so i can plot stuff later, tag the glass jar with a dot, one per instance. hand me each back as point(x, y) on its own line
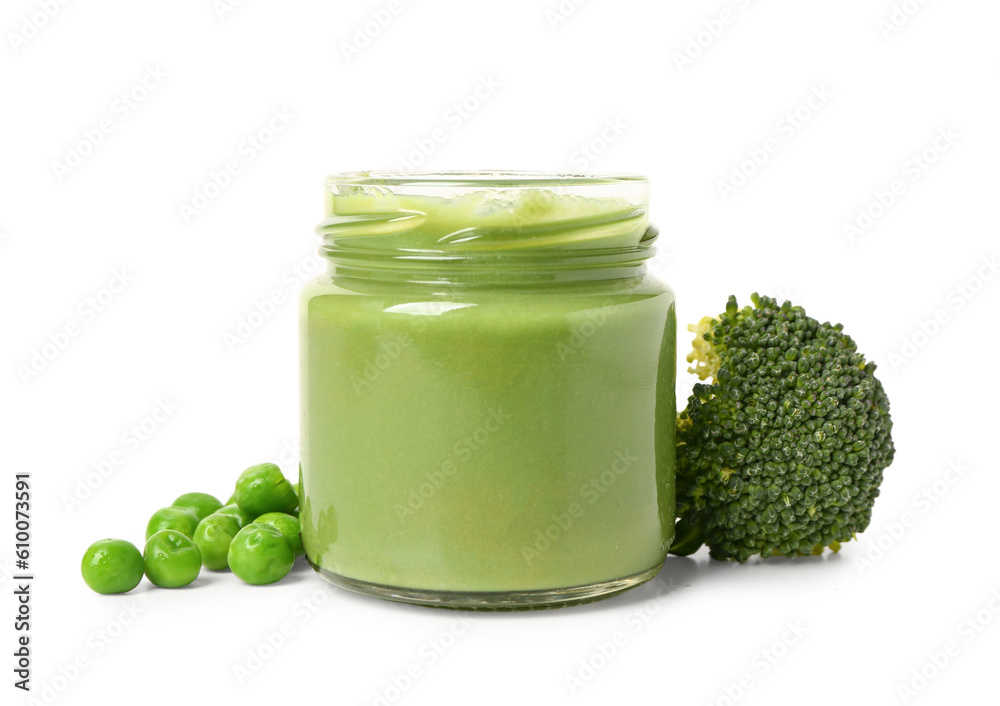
point(487, 395)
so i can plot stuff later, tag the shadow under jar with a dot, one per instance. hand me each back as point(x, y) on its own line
point(487, 390)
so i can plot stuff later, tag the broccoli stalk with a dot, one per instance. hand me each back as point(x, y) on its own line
point(782, 453)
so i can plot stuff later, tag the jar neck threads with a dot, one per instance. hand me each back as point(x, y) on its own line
point(486, 227)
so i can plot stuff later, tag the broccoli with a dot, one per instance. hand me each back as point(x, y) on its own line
point(783, 453)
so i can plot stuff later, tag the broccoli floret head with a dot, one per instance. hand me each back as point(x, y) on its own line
point(782, 451)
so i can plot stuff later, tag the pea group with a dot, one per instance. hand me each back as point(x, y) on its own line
point(256, 534)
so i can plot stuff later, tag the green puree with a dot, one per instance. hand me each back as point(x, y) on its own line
point(486, 429)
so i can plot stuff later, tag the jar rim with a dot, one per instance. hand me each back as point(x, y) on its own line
point(486, 178)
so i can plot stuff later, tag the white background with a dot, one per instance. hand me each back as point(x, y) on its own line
point(600, 87)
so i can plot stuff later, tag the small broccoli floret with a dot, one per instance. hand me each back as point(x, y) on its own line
point(783, 452)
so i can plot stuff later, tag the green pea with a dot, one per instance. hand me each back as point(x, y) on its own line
point(201, 504)
point(172, 518)
point(213, 536)
point(263, 488)
point(287, 525)
point(171, 559)
point(259, 554)
point(241, 515)
point(112, 566)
